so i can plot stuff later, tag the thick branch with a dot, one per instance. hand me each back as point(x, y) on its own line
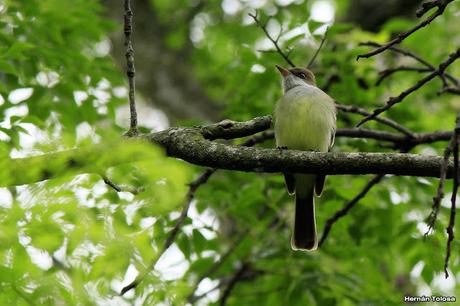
point(190, 144)
point(193, 144)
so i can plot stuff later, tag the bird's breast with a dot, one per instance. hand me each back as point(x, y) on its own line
point(305, 120)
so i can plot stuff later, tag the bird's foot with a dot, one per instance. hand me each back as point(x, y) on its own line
point(281, 149)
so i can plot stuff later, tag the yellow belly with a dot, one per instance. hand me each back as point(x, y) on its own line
point(305, 120)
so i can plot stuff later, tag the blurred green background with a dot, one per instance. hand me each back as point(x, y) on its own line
point(75, 241)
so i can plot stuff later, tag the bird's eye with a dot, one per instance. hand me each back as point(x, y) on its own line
point(302, 75)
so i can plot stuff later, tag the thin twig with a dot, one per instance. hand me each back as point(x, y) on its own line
point(419, 59)
point(130, 70)
point(388, 72)
point(441, 5)
point(452, 90)
point(429, 5)
point(442, 179)
point(346, 208)
point(119, 188)
point(450, 227)
point(323, 39)
point(394, 100)
point(361, 111)
point(404, 52)
point(274, 41)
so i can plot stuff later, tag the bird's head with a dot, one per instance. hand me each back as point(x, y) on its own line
point(296, 76)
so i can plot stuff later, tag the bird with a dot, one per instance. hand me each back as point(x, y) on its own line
point(305, 119)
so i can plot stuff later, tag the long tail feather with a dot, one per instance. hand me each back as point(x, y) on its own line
point(304, 237)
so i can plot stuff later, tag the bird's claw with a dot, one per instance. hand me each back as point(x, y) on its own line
point(282, 148)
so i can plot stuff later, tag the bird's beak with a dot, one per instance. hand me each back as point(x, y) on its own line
point(284, 72)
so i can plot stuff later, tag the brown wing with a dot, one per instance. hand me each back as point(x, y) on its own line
point(290, 183)
point(320, 179)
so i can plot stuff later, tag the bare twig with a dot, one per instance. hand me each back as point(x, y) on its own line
point(441, 5)
point(130, 70)
point(404, 52)
point(429, 5)
point(346, 208)
point(419, 59)
point(394, 100)
point(361, 111)
point(274, 41)
point(452, 90)
point(119, 188)
point(323, 39)
point(388, 72)
point(442, 178)
point(450, 227)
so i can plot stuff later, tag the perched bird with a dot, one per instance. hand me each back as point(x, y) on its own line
point(305, 119)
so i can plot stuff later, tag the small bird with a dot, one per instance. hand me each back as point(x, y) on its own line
point(305, 119)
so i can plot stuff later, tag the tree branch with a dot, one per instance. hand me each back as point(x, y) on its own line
point(313, 58)
point(274, 41)
point(194, 144)
point(190, 144)
point(431, 4)
point(394, 100)
point(453, 200)
point(357, 110)
point(444, 77)
point(440, 4)
point(388, 72)
point(119, 188)
point(130, 70)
